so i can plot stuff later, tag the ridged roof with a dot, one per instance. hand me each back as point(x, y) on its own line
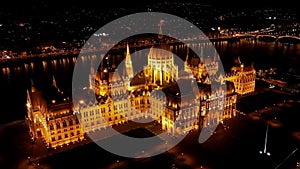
point(160, 51)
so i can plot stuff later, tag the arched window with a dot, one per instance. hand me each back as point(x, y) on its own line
point(58, 125)
point(64, 123)
point(76, 121)
point(51, 127)
point(70, 122)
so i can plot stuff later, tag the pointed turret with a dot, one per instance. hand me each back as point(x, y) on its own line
point(215, 56)
point(239, 60)
point(252, 64)
point(28, 102)
point(54, 83)
point(128, 64)
point(160, 34)
point(207, 80)
point(201, 55)
point(187, 53)
point(33, 89)
point(92, 68)
point(92, 76)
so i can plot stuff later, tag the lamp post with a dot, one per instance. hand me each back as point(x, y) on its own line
point(264, 151)
point(29, 162)
point(118, 163)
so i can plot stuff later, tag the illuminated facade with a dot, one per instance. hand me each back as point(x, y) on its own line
point(119, 102)
point(217, 106)
point(201, 66)
point(161, 69)
point(243, 78)
point(150, 94)
point(50, 116)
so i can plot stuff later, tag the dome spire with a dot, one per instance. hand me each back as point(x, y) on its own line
point(160, 34)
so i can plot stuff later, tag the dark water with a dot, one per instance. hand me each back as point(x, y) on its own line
point(15, 80)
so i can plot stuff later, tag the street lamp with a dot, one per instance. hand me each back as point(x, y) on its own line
point(28, 160)
point(118, 162)
point(265, 145)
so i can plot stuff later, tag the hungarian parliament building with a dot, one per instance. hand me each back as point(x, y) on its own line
point(153, 93)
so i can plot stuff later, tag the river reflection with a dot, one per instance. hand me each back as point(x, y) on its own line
point(16, 80)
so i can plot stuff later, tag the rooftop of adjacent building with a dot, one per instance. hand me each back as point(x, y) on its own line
point(51, 96)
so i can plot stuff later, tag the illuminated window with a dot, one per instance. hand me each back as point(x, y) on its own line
point(92, 112)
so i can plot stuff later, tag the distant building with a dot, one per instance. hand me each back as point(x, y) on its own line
point(243, 78)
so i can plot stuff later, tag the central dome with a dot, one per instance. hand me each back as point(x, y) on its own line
point(160, 52)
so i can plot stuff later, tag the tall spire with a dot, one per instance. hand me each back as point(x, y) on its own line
point(160, 34)
point(127, 51)
point(92, 68)
point(54, 83)
point(187, 53)
point(28, 99)
point(201, 55)
point(252, 64)
point(215, 56)
point(239, 60)
point(92, 76)
point(33, 89)
point(128, 64)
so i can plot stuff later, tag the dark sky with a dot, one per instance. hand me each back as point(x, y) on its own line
point(60, 4)
point(46, 7)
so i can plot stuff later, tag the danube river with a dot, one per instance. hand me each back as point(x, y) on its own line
point(15, 80)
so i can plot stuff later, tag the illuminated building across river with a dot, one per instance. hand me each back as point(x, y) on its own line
point(151, 94)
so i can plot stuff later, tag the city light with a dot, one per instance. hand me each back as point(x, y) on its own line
point(138, 94)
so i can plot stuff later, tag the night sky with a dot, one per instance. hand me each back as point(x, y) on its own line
point(56, 4)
